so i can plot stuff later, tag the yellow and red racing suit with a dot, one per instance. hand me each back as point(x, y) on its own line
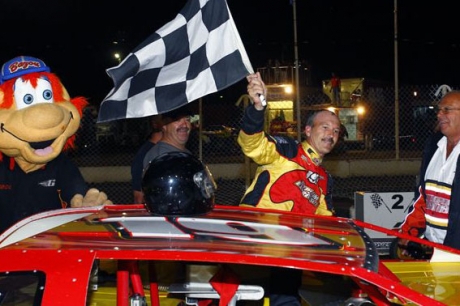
point(289, 177)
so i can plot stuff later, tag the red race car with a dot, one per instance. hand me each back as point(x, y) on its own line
point(123, 255)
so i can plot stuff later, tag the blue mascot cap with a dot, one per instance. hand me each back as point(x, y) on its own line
point(22, 65)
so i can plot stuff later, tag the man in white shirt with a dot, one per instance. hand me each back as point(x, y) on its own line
point(435, 210)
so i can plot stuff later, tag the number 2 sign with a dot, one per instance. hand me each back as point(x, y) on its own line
point(385, 209)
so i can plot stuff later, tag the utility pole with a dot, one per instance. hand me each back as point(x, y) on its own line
point(296, 60)
point(396, 79)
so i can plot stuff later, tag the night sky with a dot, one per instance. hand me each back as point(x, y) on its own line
point(351, 38)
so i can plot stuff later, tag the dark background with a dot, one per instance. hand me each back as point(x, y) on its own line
point(353, 38)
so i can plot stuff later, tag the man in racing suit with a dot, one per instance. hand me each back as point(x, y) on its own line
point(290, 176)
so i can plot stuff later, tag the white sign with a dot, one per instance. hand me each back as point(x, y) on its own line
point(385, 209)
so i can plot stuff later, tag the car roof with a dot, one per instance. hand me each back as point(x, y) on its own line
point(67, 241)
point(226, 230)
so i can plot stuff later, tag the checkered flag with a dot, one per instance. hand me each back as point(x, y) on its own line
point(198, 53)
point(377, 201)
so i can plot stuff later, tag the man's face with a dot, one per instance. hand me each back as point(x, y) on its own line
point(449, 116)
point(324, 133)
point(178, 131)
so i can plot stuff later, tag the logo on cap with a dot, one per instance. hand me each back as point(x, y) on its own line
point(22, 65)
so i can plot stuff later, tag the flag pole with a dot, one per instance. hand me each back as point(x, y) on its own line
point(296, 60)
point(200, 129)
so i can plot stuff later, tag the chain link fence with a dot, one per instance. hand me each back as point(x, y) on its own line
point(376, 130)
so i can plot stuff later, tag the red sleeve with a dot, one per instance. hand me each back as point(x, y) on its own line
point(415, 222)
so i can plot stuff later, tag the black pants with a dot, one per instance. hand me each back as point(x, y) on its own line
point(284, 286)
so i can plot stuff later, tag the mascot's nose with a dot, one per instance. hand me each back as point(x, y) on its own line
point(45, 115)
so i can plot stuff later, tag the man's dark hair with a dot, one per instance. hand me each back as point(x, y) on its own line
point(176, 114)
point(312, 115)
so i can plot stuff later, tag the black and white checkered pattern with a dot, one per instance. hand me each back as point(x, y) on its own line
point(198, 53)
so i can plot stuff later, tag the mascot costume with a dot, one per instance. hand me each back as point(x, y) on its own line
point(38, 121)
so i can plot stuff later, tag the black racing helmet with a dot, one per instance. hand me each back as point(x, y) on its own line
point(178, 184)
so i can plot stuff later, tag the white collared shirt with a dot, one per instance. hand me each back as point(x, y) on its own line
point(438, 186)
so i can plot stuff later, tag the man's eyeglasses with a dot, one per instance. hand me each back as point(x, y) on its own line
point(445, 109)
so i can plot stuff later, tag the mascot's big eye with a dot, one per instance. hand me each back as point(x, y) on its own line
point(47, 94)
point(28, 99)
point(27, 95)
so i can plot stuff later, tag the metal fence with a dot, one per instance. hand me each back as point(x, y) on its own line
point(105, 151)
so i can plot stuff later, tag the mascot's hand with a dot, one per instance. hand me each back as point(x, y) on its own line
point(93, 197)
